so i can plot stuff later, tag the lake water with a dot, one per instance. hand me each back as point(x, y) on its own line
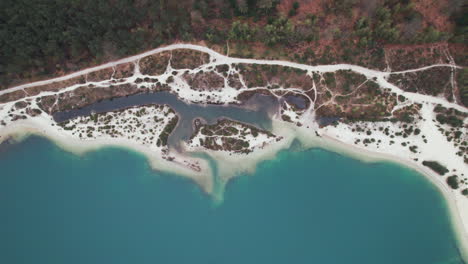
point(312, 206)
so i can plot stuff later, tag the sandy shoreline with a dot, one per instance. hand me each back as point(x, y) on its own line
point(457, 204)
point(230, 165)
point(22, 130)
point(458, 208)
point(234, 164)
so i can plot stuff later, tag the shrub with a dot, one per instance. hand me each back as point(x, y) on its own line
point(254, 133)
point(281, 30)
point(294, 8)
point(435, 166)
point(286, 118)
point(451, 120)
point(452, 181)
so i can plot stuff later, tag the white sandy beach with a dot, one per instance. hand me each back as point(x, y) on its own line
point(42, 127)
point(339, 139)
point(456, 202)
point(231, 164)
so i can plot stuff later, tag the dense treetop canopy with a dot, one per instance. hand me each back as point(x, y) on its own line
point(39, 37)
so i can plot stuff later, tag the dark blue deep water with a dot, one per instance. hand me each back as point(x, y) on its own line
point(304, 207)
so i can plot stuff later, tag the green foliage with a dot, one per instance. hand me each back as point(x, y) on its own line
point(465, 192)
point(306, 30)
point(163, 137)
point(296, 5)
point(293, 10)
point(451, 120)
point(430, 35)
point(382, 29)
point(39, 37)
point(94, 117)
point(461, 25)
point(210, 9)
point(435, 166)
point(45, 35)
point(241, 31)
point(462, 82)
point(280, 30)
point(406, 118)
point(396, 22)
point(214, 35)
point(254, 8)
point(340, 7)
point(385, 27)
point(330, 79)
point(364, 32)
point(439, 108)
point(286, 118)
point(453, 181)
point(254, 132)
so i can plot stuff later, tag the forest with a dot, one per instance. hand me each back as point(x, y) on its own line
point(43, 37)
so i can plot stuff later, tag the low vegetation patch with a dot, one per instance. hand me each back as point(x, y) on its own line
point(453, 182)
point(435, 166)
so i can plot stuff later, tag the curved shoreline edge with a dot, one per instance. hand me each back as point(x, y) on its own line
point(459, 221)
point(338, 139)
point(231, 165)
point(458, 209)
point(22, 130)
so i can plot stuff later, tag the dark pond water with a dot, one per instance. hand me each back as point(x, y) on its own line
point(324, 121)
point(298, 101)
point(256, 111)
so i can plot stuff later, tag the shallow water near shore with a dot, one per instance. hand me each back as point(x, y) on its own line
point(312, 206)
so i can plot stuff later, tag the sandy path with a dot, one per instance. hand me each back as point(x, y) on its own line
point(222, 59)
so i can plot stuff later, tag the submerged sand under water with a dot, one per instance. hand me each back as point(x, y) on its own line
point(311, 206)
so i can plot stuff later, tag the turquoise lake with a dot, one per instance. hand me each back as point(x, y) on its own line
point(312, 206)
